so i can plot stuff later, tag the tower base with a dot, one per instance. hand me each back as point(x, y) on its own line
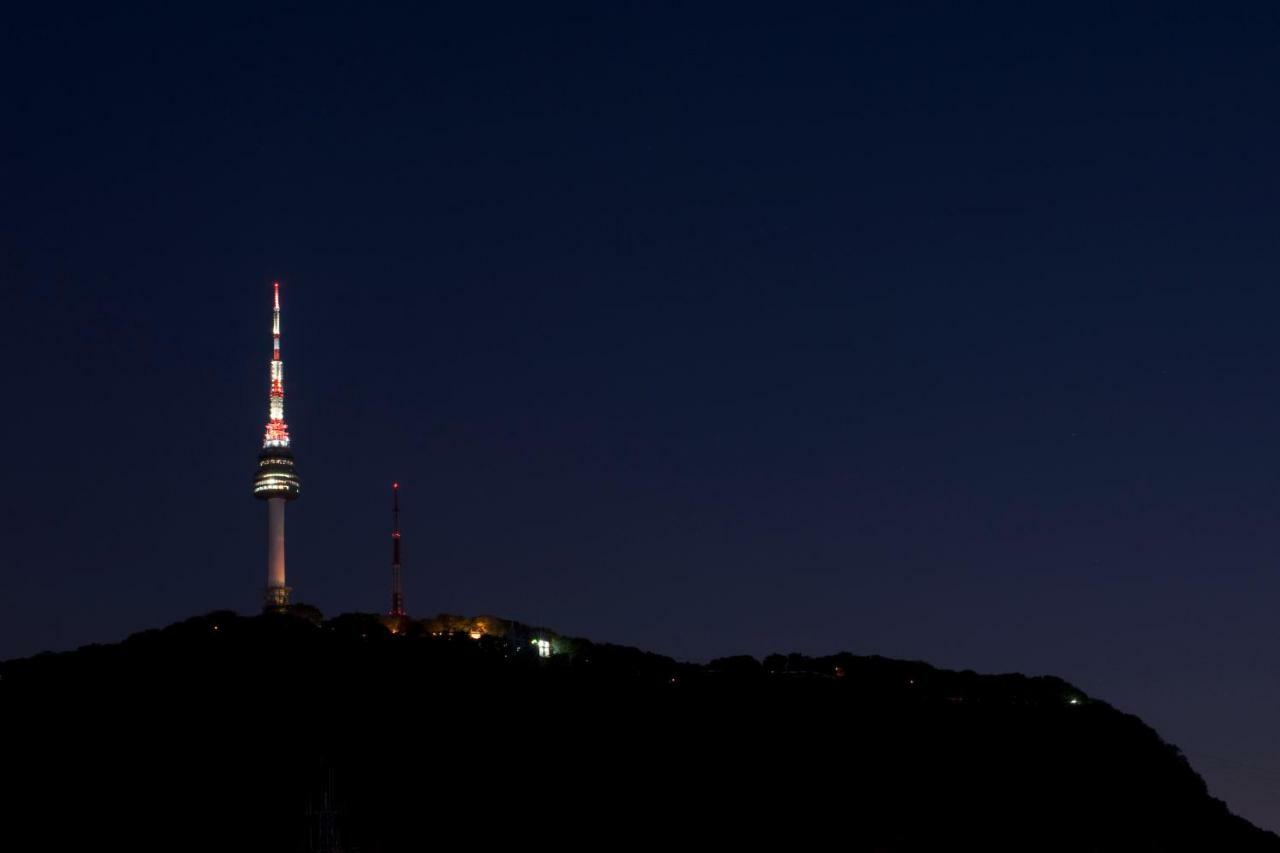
point(276, 598)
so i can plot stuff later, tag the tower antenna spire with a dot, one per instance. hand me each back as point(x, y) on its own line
point(277, 434)
point(397, 590)
point(275, 481)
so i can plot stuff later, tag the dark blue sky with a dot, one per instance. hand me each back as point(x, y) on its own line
point(933, 330)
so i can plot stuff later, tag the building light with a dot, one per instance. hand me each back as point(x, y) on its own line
point(544, 648)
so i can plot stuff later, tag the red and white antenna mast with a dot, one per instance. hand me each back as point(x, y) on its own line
point(277, 430)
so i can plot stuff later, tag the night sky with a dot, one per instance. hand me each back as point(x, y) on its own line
point(933, 330)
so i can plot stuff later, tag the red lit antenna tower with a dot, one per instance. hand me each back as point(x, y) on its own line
point(397, 590)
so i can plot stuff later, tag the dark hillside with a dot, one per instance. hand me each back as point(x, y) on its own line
point(224, 732)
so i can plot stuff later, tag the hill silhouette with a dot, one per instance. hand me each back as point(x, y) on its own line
point(289, 732)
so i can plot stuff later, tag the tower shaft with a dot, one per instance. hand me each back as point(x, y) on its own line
point(397, 588)
point(277, 594)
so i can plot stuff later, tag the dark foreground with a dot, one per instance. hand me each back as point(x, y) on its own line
point(225, 732)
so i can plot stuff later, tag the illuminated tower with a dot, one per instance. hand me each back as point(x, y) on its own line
point(397, 591)
point(276, 482)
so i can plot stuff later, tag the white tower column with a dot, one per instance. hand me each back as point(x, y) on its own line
point(275, 547)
